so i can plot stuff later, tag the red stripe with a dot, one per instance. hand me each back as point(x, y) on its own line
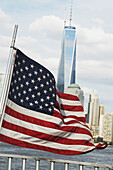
point(67, 96)
point(44, 136)
point(33, 120)
point(80, 119)
point(16, 142)
point(72, 108)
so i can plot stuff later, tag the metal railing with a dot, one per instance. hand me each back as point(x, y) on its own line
point(81, 165)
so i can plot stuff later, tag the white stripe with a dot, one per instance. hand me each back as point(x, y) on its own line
point(73, 113)
point(32, 113)
point(33, 140)
point(69, 102)
point(49, 131)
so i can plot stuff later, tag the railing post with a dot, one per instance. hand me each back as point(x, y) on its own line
point(66, 166)
point(37, 165)
point(81, 167)
point(9, 163)
point(23, 164)
point(96, 168)
point(52, 165)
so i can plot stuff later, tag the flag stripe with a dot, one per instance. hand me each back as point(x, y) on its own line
point(38, 147)
point(27, 138)
point(70, 131)
point(38, 134)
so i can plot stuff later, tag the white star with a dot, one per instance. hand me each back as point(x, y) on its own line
point(38, 93)
point(30, 74)
point(42, 85)
point(21, 85)
point(50, 89)
point(47, 82)
point(17, 72)
point(19, 63)
point(30, 89)
point(19, 79)
point(17, 87)
point(46, 104)
point(31, 104)
point(24, 92)
point(15, 81)
point(42, 100)
point(19, 94)
point(13, 90)
point(27, 83)
point(21, 100)
point(26, 68)
point(41, 70)
point(53, 95)
point(33, 96)
point(40, 107)
point(33, 81)
point(50, 109)
point(23, 61)
point(48, 74)
point(27, 98)
point(32, 66)
point(44, 76)
point(24, 76)
point(36, 87)
point(51, 81)
point(35, 72)
point(21, 70)
point(36, 102)
point(39, 78)
point(45, 91)
point(52, 103)
point(48, 97)
point(15, 97)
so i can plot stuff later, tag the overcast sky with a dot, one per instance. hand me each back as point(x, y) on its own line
point(40, 33)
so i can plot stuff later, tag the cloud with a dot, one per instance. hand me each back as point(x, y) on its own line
point(49, 27)
point(5, 21)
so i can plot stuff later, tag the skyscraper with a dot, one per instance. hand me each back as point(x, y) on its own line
point(67, 65)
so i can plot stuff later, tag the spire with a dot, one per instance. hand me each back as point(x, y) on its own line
point(71, 12)
point(65, 13)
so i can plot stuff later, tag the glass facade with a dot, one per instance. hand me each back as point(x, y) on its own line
point(67, 66)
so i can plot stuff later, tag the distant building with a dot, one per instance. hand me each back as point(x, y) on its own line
point(106, 127)
point(93, 110)
point(67, 65)
point(75, 89)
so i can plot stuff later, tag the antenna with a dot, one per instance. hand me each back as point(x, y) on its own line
point(71, 12)
point(65, 13)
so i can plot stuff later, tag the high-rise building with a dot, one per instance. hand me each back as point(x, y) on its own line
point(67, 65)
point(75, 90)
point(106, 127)
point(93, 110)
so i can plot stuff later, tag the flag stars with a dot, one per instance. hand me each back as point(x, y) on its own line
point(48, 97)
point(17, 72)
point(23, 61)
point(19, 79)
point(21, 70)
point(33, 81)
point(41, 70)
point(30, 90)
point(44, 76)
point(36, 87)
point(19, 63)
point(45, 91)
point(29, 74)
point(36, 102)
point(39, 79)
point(38, 93)
point(27, 98)
point(50, 109)
point(27, 83)
point(35, 72)
point(17, 88)
point(26, 68)
point(42, 85)
point(24, 76)
point(32, 66)
point(33, 96)
point(46, 104)
point(24, 92)
point(21, 100)
point(31, 104)
point(42, 100)
point(47, 83)
point(40, 107)
point(19, 94)
point(21, 85)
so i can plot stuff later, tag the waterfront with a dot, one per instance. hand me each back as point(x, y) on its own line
point(97, 156)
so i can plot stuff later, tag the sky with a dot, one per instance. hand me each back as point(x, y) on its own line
point(40, 34)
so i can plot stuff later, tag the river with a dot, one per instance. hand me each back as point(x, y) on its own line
point(104, 156)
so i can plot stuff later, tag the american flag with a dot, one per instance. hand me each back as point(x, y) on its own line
point(37, 116)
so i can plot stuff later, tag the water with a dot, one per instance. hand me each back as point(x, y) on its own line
point(97, 156)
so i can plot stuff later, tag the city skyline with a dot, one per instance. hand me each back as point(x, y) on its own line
point(40, 33)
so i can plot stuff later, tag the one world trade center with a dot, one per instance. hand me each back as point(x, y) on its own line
point(67, 65)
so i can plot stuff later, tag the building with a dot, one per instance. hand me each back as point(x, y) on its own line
point(67, 65)
point(75, 90)
point(93, 109)
point(106, 127)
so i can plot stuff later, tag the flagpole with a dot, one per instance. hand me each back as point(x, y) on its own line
point(8, 74)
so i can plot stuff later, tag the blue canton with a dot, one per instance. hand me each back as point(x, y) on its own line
point(32, 85)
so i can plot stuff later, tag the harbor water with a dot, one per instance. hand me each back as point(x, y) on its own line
point(104, 156)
